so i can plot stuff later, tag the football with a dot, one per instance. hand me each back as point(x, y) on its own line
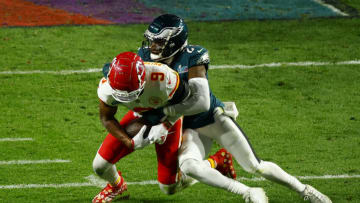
point(134, 127)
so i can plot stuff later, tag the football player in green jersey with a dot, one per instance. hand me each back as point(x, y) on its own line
point(166, 41)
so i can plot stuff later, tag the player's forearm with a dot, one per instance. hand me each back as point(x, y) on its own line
point(197, 102)
point(114, 128)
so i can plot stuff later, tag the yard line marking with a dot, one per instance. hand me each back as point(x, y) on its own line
point(331, 7)
point(304, 63)
point(66, 185)
point(344, 176)
point(46, 161)
point(329, 177)
point(61, 72)
point(95, 181)
point(239, 66)
point(15, 139)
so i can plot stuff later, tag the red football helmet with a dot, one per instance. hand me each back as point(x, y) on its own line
point(127, 77)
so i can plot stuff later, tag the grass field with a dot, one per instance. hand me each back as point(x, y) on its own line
point(305, 118)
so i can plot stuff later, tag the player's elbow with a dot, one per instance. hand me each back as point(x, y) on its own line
point(205, 103)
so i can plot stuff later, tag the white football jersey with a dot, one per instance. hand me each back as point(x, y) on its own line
point(160, 86)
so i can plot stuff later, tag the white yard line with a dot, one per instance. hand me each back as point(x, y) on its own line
point(94, 181)
point(239, 66)
point(65, 185)
point(345, 176)
point(331, 7)
point(20, 162)
point(304, 63)
point(61, 72)
point(15, 139)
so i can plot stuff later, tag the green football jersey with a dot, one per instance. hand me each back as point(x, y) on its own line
point(190, 56)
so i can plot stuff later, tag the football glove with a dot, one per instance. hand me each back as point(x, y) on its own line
point(154, 116)
point(138, 141)
point(158, 134)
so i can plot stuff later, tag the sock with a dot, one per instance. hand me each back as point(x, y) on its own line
point(211, 162)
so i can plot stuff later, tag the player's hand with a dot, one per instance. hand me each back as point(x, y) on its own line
point(154, 116)
point(158, 134)
point(138, 141)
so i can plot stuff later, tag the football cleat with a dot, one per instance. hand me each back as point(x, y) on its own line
point(224, 163)
point(255, 195)
point(109, 193)
point(314, 196)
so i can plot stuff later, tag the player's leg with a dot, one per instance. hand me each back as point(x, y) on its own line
point(167, 157)
point(228, 133)
point(109, 153)
point(192, 153)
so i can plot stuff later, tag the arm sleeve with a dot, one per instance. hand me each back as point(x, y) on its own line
point(198, 101)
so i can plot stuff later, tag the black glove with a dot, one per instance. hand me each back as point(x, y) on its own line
point(154, 116)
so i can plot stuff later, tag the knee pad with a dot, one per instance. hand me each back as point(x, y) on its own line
point(168, 189)
point(100, 165)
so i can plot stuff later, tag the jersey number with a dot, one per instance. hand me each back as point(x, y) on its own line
point(157, 76)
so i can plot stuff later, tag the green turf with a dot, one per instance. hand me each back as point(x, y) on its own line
point(306, 119)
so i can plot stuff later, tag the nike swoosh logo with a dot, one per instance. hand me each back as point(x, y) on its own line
point(200, 50)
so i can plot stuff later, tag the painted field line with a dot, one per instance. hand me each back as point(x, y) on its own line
point(15, 139)
point(20, 162)
point(239, 66)
point(61, 72)
point(94, 181)
point(65, 185)
point(304, 63)
point(324, 177)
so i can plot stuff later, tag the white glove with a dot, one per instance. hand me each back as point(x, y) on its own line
point(158, 134)
point(138, 140)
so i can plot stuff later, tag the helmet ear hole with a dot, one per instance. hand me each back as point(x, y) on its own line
point(126, 77)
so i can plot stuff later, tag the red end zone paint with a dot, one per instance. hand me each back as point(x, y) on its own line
point(24, 13)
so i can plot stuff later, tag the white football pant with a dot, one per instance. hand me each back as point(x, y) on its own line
point(192, 153)
point(227, 133)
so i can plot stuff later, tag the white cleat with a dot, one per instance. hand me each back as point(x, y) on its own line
point(314, 196)
point(255, 195)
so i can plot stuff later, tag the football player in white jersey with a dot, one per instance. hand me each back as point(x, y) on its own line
point(141, 87)
point(166, 41)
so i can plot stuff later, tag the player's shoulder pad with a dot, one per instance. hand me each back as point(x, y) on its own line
point(149, 63)
point(144, 53)
point(104, 92)
point(198, 55)
point(158, 67)
point(106, 69)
